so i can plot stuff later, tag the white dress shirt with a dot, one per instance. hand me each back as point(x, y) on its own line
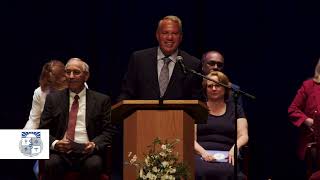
point(80, 135)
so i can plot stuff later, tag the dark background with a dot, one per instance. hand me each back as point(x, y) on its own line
point(270, 47)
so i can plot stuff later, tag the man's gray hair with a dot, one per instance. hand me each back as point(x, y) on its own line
point(172, 18)
point(85, 66)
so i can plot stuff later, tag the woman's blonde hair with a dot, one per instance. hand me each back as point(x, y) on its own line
point(316, 76)
point(47, 77)
point(222, 78)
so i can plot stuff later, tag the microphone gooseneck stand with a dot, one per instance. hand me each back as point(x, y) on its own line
point(236, 94)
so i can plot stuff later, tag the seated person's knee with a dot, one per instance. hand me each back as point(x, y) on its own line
point(93, 164)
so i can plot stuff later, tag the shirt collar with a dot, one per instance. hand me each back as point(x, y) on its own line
point(173, 56)
point(81, 94)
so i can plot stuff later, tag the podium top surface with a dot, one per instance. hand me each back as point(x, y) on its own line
point(195, 108)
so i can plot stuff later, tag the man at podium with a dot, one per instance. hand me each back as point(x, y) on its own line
point(154, 73)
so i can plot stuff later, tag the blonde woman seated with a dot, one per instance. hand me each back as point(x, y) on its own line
point(52, 78)
point(218, 133)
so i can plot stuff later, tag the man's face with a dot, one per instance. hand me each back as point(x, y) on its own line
point(76, 76)
point(169, 37)
point(212, 62)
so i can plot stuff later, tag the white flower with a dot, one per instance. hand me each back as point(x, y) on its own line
point(163, 154)
point(163, 146)
point(172, 170)
point(146, 160)
point(151, 176)
point(165, 163)
point(141, 173)
point(164, 177)
point(129, 154)
point(155, 169)
point(134, 159)
point(167, 177)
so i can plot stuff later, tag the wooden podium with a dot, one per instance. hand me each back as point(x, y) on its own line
point(144, 120)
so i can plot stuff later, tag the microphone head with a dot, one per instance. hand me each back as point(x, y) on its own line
point(180, 61)
point(179, 58)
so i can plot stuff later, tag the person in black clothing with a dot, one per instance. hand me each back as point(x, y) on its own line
point(218, 133)
point(143, 78)
point(76, 115)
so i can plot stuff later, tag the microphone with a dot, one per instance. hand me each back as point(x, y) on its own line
point(180, 61)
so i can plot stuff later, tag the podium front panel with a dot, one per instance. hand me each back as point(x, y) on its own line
point(143, 126)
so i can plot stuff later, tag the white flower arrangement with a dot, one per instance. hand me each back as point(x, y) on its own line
point(160, 163)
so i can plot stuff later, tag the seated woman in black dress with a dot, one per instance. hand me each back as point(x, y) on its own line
point(218, 133)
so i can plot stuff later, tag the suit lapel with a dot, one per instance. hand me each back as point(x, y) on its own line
point(154, 71)
point(90, 105)
point(175, 74)
point(65, 101)
point(173, 77)
point(64, 107)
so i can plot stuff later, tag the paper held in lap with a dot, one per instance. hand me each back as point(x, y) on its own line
point(219, 156)
point(77, 147)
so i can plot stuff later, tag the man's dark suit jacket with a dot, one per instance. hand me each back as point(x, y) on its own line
point(141, 80)
point(55, 117)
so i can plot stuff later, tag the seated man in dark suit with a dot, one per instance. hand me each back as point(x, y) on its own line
point(79, 120)
point(214, 61)
point(154, 73)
